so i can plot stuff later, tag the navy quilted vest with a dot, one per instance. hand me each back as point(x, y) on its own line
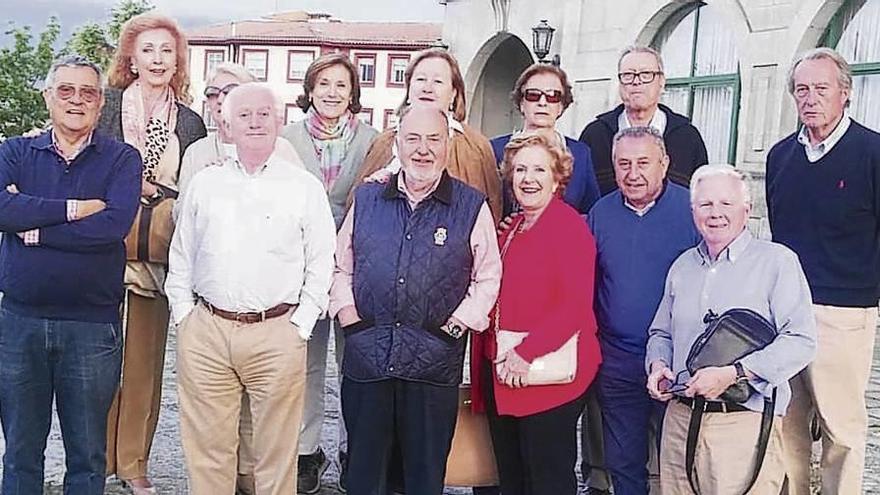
point(412, 269)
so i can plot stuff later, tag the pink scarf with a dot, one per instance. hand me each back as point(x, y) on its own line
point(148, 130)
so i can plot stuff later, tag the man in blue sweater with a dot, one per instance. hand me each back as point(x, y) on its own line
point(823, 199)
point(67, 200)
point(640, 229)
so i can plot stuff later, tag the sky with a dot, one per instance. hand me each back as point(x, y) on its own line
point(192, 13)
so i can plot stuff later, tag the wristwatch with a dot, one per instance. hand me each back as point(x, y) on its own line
point(740, 371)
point(453, 329)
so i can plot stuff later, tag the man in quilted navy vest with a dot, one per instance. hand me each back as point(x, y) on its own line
point(417, 266)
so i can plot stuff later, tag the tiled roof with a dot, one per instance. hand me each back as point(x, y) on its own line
point(296, 29)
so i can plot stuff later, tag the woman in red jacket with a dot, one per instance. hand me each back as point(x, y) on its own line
point(547, 297)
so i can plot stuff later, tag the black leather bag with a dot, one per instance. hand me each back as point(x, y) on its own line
point(734, 334)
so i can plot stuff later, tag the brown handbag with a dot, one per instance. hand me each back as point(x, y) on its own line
point(471, 461)
point(150, 236)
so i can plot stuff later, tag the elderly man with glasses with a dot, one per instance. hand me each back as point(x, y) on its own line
point(67, 199)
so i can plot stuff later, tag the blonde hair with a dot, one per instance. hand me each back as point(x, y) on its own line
point(548, 140)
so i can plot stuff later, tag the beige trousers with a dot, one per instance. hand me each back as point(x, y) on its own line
point(833, 388)
point(132, 420)
point(218, 361)
point(725, 455)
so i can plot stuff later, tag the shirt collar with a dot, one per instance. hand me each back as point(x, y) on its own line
point(47, 140)
point(441, 191)
point(731, 253)
point(272, 161)
point(826, 144)
point(658, 121)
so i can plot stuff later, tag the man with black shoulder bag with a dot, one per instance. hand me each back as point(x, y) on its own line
point(734, 325)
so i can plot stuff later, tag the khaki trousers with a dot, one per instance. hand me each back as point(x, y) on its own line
point(132, 420)
point(725, 455)
point(220, 360)
point(833, 388)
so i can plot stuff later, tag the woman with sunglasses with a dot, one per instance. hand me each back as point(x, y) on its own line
point(146, 107)
point(542, 93)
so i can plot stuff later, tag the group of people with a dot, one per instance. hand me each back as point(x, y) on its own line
point(409, 244)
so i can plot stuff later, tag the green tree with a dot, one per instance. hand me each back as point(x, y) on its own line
point(97, 42)
point(23, 66)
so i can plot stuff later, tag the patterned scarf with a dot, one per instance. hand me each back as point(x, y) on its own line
point(331, 142)
point(148, 130)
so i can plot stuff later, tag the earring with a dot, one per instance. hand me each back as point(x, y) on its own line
point(133, 69)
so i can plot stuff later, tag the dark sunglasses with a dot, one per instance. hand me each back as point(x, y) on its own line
point(88, 94)
point(676, 387)
point(533, 95)
point(212, 91)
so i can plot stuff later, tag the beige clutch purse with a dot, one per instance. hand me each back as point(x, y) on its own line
point(554, 368)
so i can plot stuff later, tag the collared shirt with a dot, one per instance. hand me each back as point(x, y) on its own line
point(639, 211)
point(69, 158)
point(815, 153)
point(750, 273)
point(248, 242)
point(658, 121)
point(473, 311)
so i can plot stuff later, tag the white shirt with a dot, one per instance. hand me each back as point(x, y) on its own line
point(250, 242)
point(658, 121)
point(815, 153)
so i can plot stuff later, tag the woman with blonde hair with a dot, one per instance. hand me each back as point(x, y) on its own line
point(146, 107)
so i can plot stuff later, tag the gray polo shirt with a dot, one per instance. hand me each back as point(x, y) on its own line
point(763, 276)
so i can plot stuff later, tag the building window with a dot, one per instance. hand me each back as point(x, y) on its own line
point(366, 64)
point(397, 65)
point(208, 117)
point(293, 113)
point(390, 119)
point(853, 33)
point(256, 62)
point(297, 64)
point(212, 59)
point(366, 116)
point(702, 76)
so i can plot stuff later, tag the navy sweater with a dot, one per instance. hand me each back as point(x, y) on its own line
point(582, 189)
point(75, 273)
point(828, 212)
point(634, 255)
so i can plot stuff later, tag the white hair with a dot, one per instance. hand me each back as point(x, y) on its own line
point(720, 169)
point(229, 102)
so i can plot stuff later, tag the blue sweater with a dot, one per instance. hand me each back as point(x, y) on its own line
point(828, 212)
point(634, 254)
point(582, 189)
point(76, 270)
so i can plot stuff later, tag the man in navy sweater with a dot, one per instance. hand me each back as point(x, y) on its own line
point(640, 229)
point(67, 200)
point(823, 198)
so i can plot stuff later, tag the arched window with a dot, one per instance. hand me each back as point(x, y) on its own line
point(702, 78)
point(855, 33)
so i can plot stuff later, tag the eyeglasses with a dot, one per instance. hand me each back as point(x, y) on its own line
point(214, 91)
point(88, 94)
point(643, 77)
point(533, 95)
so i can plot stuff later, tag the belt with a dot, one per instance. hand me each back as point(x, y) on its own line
point(713, 406)
point(249, 317)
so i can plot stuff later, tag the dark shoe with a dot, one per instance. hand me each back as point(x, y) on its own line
point(343, 471)
point(309, 472)
point(597, 491)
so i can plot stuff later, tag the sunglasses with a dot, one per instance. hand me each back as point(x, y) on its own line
point(88, 94)
point(213, 91)
point(533, 95)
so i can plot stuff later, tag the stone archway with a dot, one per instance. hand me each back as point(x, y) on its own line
point(490, 80)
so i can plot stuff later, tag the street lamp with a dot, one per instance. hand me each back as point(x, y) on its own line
point(542, 38)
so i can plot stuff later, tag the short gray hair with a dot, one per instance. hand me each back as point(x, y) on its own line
point(716, 170)
point(75, 61)
point(641, 49)
point(231, 69)
point(638, 132)
point(844, 73)
point(229, 102)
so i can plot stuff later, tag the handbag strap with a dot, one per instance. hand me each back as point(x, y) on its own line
point(514, 229)
point(694, 433)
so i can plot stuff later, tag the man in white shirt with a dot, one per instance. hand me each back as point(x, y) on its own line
point(249, 274)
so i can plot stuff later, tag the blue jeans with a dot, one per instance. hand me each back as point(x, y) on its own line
point(79, 364)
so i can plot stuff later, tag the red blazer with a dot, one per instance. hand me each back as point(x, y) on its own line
point(546, 290)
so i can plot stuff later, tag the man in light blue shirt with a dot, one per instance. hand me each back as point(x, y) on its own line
point(728, 269)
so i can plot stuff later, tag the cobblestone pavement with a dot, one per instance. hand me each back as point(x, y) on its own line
point(169, 474)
